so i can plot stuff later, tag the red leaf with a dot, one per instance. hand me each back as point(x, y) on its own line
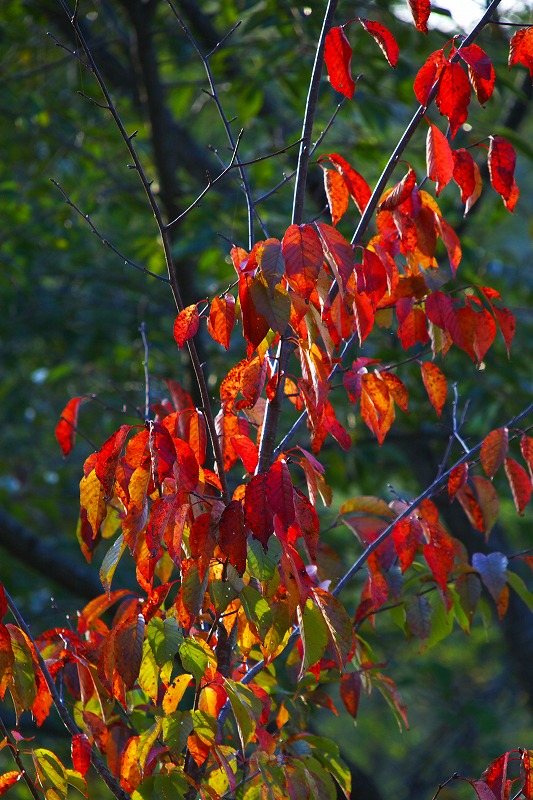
point(427, 75)
point(495, 776)
point(338, 59)
point(384, 38)
point(338, 252)
point(458, 477)
point(526, 448)
point(521, 49)
point(187, 471)
point(108, 456)
point(233, 535)
point(254, 325)
point(439, 158)
point(526, 773)
point(502, 162)
point(467, 176)
point(4, 607)
point(408, 536)
point(162, 452)
point(81, 753)
point(257, 510)
point(222, 319)
point(520, 483)
point(337, 194)
point(8, 779)
point(436, 385)
point(302, 251)
point(453, 95)
point(439, 555)
point(247, 451)
point(483, 791)
point(128, 648)
point(420, 9)
point(480, 71)
point(360, 191)
point(280, 492)
point(350, 690)
point(400, 193)
point(493, 450)
point(66, 427)
point(186, 324)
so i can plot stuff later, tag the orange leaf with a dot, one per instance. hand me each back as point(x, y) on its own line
point(420, 9)
point(128, 647)
point(436, 385)
point(338, 59)
point(66, 427)
point(439, 555)
point(222, 319)
point(384, 39)
point(8, 779)
point(338, 252)
point(439, 158)
point(400, 193)
point(526, 447)
point(493, 450)
point(360, 191)
point(337, 194)
point(520, 483)
point(457, 478)
point(350, 690)
point(521, 49)
point(186, 324)
point(247, 451)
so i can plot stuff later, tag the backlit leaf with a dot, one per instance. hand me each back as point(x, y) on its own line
point(8, 779)
point(222, 319)
point(108, 456)
point(384, 38)
point(439, 158)
point(453, 95)
point(400, 193)
point(270, 259)
point(338, 59)
point(408, 537)
point(302, 251)
point(521, 49)
point(359, 190)
point(186, 324)
point(175, 692)
point(233, 535)
point(338, 253)
point(128, 647)
point(280, 492)
point(520, 483)
point(314, 633)
point(257, 510)
point(350, 691)
point(493, 450)
point(439, 555)
point(502, 163)
point(428, 74)
point(66, 427)
point(81, 753)
point(337, 194)
point(51, 774)
point(247, 451)
point(436, 385)
point(495, 776)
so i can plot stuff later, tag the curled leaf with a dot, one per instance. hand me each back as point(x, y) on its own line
point(384, 38)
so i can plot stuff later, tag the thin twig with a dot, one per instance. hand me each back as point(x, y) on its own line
point(18, 761)
point(103, 239)
point(142, 330)
point(167, 249)
point(214, 95)
point(65, 717)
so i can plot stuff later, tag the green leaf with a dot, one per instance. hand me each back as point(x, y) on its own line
point(516, 582)
point(76, 780)
point(256, 609)
point(222, 593)
point(110, 562)
point(162, 787)
point(262, 565)
point(148, 678)
point(194, 658)
point(246, 709)
point(205, 726)
point(51, 774)
point(441, 622)
point(314, 633)
point(176, 729)
point(165, 639)
point(327, 752)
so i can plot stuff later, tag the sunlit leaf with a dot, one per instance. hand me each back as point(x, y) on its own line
point(186, 324)
point(436, 385)
point(420, 9)
point(222, 319)
point(439, 158)
point(66, 427)
point(338, 59)
point(384, 38)
point(521, 49)
point(502, 163)
point(493, 450)
point(520, 483)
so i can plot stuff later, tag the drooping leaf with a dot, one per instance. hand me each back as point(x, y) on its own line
point(495, 776)
point(493, 571)
point(493, 450)
point(439, 555)
point(257, 510)
point(270, 259)
point(338, 59)
point(408, 537)
point(338, 252)
point(359, 190)
point(458, 478)
point(480, 71)
point(51, 774)
point(436, 385)
point(128, 645)
point(81, 753)
point(384, 38)
point(521, 49)
point(453, 95)
point(400, 193)
point(502, 163)
point(108, 456)
point(337, 194)
point(420, 9)
point(428, 74)
point(439, 158)
point(222, 319)
point(233, 535)
point(418, 616)
point(302, 251)
point(8, 779)
point(520, 483)
point(66, 427)
point(186, 324)
point(314, 633)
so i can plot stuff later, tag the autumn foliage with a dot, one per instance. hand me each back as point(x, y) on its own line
point(233, 602)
